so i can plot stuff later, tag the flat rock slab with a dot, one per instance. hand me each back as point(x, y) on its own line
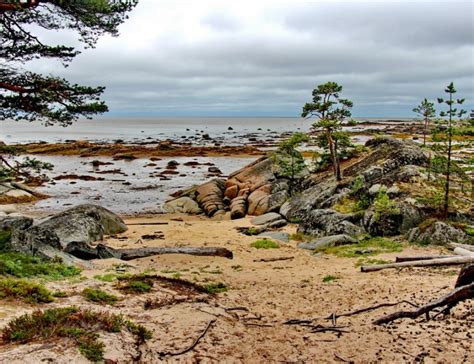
point(266, 218)
point(328, 241)
point(276, 235)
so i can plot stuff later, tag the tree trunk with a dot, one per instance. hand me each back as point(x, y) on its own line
point(419, 263)
point(464, 246)
point(335, 161)
point(463, 252)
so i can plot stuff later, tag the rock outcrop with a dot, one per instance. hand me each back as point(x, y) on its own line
point(439, 233)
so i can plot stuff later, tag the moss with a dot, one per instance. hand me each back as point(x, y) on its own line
point(265, 244)
point(99, 296)
point(70, 322)
point(329, 278)
point(367, 247)
point(370, 261)
point(5, 237)
point(26, 266)
point(109, 277)
point(214, 288)
point(24, 290)
point(469, 231)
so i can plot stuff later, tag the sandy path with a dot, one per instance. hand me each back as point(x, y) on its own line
point(275, 292)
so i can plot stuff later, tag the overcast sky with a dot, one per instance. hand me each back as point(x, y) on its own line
point(249, 58)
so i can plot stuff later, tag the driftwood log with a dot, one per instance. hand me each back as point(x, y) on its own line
point(463, 246)
point(423, 257)
point(464, 290)
point(101, 251)
point(420, 263)
point(463, 252)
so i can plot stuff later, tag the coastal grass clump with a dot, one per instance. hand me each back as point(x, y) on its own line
point(108, 277)
point(82, 326)
point(265, 244)
point(370, 261)
point(26, 266)
point(137, 283)
point(213, 288)
point(329, 278)
point(24, 290)
point(99, 296)
point(367, 247)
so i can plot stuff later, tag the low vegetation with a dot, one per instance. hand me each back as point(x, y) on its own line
point(368, 247)
point(99, 296)
point(265, 244)
point(82, 326)
point(24, 290)
point(213, 288)
point(329, 278)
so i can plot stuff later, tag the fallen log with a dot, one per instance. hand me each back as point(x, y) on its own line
point(102, 251)
point(464, 246)
point(147, 223)
point(423, 257)
point(463, 252)
point(466, 276)
point(460, 294)
point(419, 263)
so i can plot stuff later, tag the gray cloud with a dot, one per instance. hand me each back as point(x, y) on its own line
point(254, 60)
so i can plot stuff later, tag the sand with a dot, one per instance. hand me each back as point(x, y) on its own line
point(272, 293)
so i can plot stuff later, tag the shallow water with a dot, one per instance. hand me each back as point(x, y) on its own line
point(134, 192)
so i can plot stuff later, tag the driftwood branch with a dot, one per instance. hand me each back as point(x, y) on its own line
point(335, 316)
point(463, 252)
point(450, 300)
point(423, 257)
point(102, 251)
point(273, 259)
point(464, 246)
point(419, 263)
point(193, 345)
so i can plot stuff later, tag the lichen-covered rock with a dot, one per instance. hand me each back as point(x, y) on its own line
point(397, 220)
point(15, 222)
point(439, 233)
point(185, 205)
point(325, 222)
point(266, 219)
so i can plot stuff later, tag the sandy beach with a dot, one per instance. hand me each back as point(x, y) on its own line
point(248, 319)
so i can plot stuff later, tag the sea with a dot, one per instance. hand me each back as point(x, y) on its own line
point(137, 190)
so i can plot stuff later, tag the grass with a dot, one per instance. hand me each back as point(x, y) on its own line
point(99, 296)
point(265, 244)
point(213, 288)
point(135, 283)
point(370, 261)
point(329, 278)
point(70, 322)
point(469, 231)
point(109, 277)
point(299, 236)
point(24, 290)
point(367, 247)
point(237, 268)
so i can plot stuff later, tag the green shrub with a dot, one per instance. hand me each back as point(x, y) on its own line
point(109, 277)
point(367, 247)
point(24, 290)
point(383, 205)
point(26, 266)
point(99, 296)
point(329, 278)
point(70, 322)
point(213, 288)
point(265, 244)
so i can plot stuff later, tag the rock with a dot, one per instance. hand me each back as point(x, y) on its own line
point(276, 224)
point(210, 197)
point(18, 194)
point(214, 170)
point(393, 191)
point(80, 224)
point(172, 163)
point(238, 207)
point(328, 241)
point(8, 209)
point(185, 205)
point(276, 235)
point(374, 190)
point(15, 222)
point(285, 209)
point(325, 222)
point(266, 218)
point(397, 220)
point(439, 233)
point(231, 192)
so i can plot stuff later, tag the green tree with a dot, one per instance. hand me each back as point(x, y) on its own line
point(26, 95)
point(289, 160)
point(330, 110)
point(427, 111)
point(445, 131)
point(30, 96)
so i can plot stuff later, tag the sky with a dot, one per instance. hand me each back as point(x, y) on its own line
point(264, 58)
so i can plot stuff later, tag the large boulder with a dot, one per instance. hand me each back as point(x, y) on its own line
point(325, 222)
point(266, 219)
point(438, 233)
point(210, 196)
point(185, 205)
point(15, 222)
point(394, 221)
point(81, 224)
